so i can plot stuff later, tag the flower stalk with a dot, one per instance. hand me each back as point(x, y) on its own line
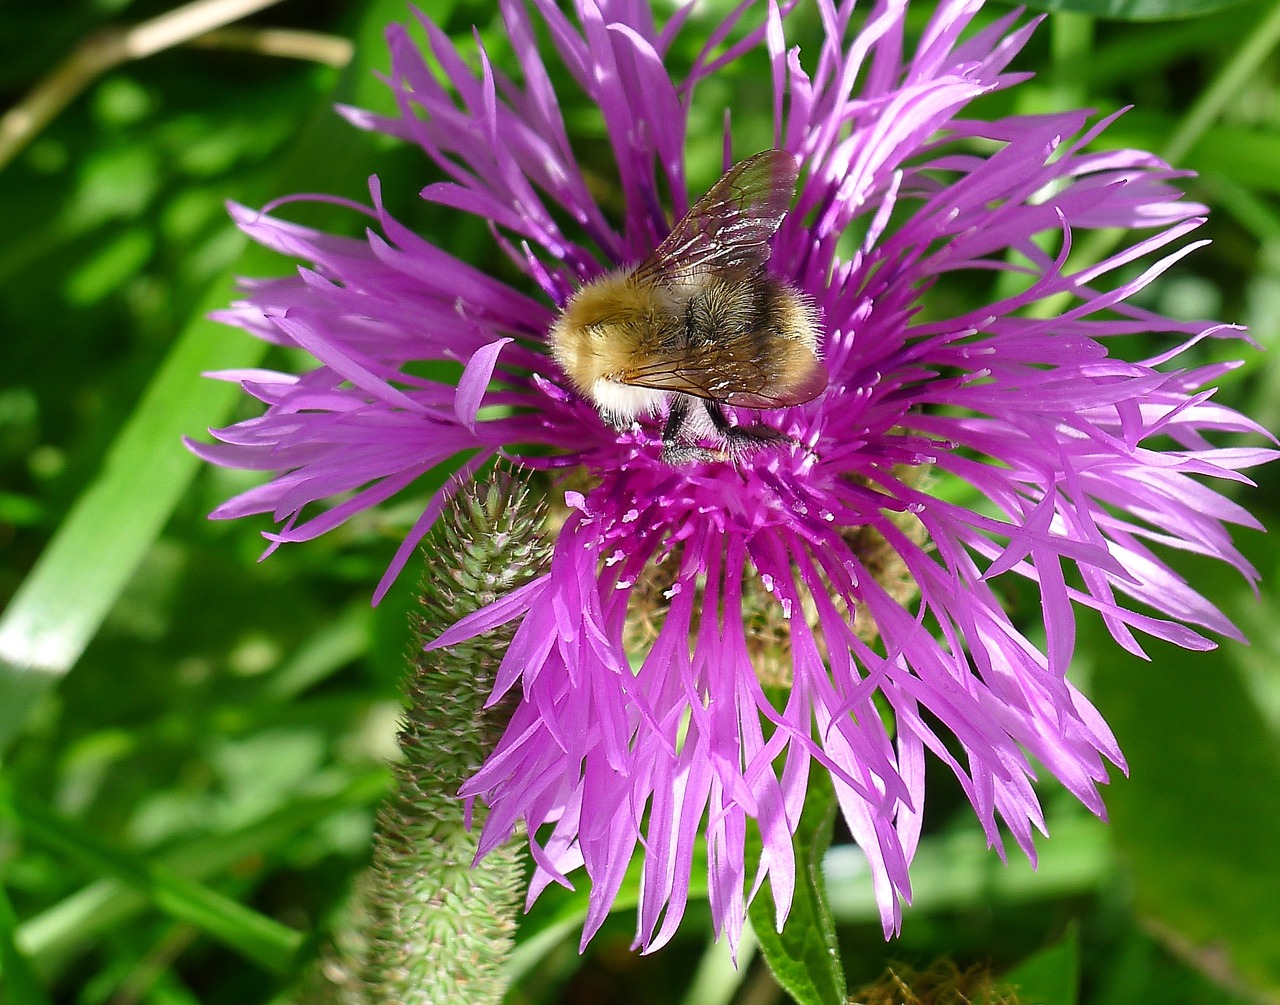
point(437, 929)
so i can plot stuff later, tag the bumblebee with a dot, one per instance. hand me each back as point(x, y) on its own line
point(700, 323)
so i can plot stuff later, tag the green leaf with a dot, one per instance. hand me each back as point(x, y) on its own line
point(1051, 976)
point(55, 936)
point(20, 985)
point(65, 598)
point(956, 871)
point(719, 976)
point(1239, 154)
point(60, 605)
point(559, 913)
point(1135, 10)
point(254, 935)
point(1198, 821)
point(804, 956)
point(1116, 59)
point(1135, 967)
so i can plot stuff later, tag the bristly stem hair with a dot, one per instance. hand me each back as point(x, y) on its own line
point(426, 925)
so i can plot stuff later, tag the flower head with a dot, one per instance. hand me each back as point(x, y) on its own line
point(641, 718)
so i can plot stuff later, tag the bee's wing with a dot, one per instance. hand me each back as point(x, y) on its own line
point(734, 371)
point(728, 228)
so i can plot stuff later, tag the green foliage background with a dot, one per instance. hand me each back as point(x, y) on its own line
point(194, 743)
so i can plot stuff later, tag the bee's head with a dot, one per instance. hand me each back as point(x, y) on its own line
point(601, 328)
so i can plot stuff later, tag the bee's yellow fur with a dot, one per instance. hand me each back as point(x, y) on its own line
point(606, 327)
point(700, 323)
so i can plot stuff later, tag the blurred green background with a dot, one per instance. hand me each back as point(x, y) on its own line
point(192, 759)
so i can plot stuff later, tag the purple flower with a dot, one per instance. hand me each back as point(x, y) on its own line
point(1061, 464)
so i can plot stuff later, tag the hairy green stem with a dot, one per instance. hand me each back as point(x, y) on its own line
point(427, 926)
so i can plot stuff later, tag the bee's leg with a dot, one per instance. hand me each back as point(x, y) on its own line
point(739, 440)
point(677, 445)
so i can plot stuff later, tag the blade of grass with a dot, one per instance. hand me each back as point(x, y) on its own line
point(53, 938)
point(718, 977)
point(1118, 61)
point(1250, 210)
point(1191, 129)
point(167, 991)
point(546, 926)
point(957, 871)
point(1071, 41)
point(20, 983)
point(1215, 98)
point(149, 977)
point(255, 936)
point(62, 602)
point(341, 641)
point(103, 52)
